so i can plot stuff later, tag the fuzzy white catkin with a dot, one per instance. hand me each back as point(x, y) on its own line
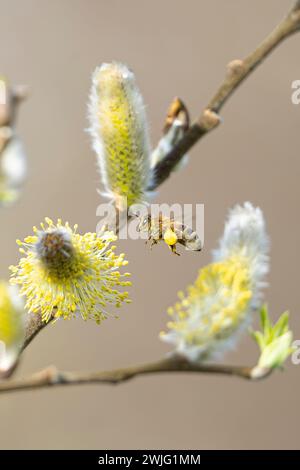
point(119, 130)
point(209, 319)
point(13, 169)
point(245, 234)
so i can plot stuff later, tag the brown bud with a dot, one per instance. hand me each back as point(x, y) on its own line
point(235, 67)
point(177, 110)
point(209, 119)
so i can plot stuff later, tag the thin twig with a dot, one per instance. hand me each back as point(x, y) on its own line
point(237, 71)
point(33, 326)
point(51, 377)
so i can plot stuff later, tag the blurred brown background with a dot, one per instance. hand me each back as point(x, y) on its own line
point(175, 48)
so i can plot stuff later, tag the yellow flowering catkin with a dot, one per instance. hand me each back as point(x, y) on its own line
point(119, 131)
point(207, 319)
point(11, 325)
point(64, 273)
point(220, 296)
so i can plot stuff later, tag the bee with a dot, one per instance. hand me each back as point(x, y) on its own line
point(169, 230)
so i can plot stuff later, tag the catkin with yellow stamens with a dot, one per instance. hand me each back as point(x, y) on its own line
point(63, 273)
point(207, 318)
point(11, 325)
point(119, 131)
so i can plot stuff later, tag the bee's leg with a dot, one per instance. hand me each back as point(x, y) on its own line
point(148, 240)
point(153, 242)
point(173, 249)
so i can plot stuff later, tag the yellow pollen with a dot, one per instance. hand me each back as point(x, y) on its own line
point(170, 237)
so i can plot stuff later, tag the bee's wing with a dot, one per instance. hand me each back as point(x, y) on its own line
point(190, 239)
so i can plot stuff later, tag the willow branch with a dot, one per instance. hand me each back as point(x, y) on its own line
point(237, 72)
point(34, 325)
point(51, 377)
